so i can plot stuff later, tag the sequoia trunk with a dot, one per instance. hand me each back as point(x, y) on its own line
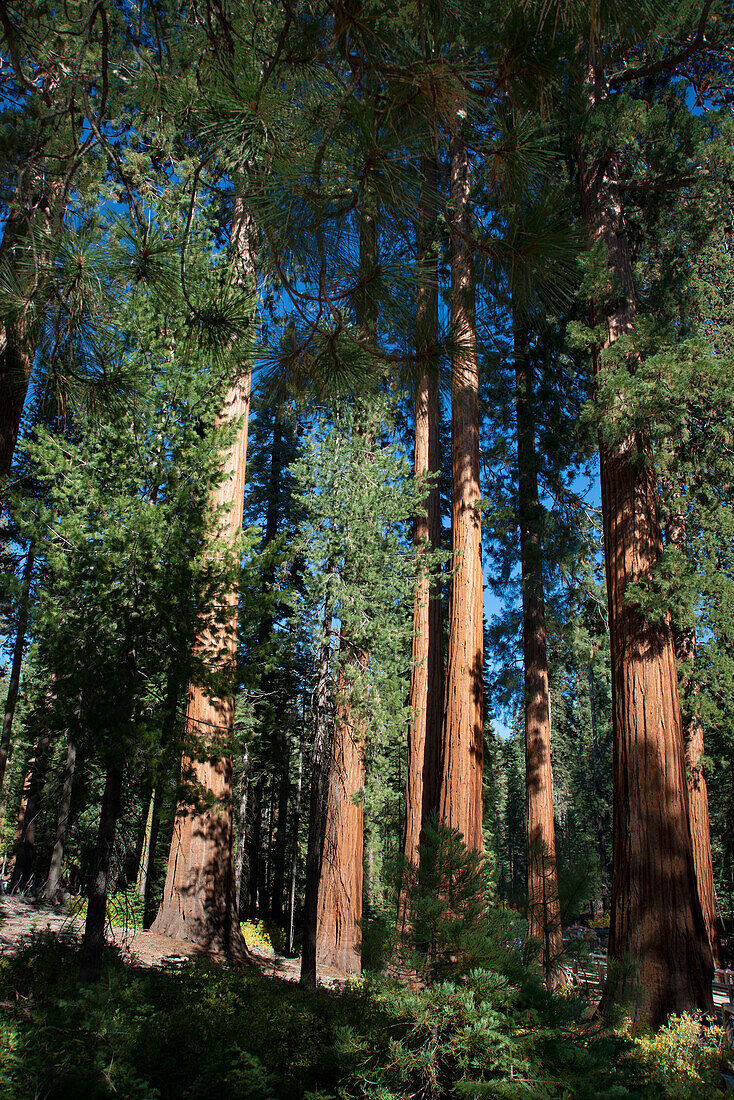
point(199, 895)
point(544, 909)
point(317, 802)
point(656, 917)
point(54, 871)
point(698, 799)
point(339, 934)
point(460, 799)
point(426, 674)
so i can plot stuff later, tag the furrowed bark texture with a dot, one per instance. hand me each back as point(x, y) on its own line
point(199, 902)
point(339, 935)
point(320, 763)
point(426, 676)
point(54, 871)
point(656, 915)
point(698, 799)
point(460, 799)
point(544, 907)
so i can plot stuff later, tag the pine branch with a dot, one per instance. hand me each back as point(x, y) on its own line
point(666, 63)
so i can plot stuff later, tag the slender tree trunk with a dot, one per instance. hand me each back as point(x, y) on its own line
point(54, 872)
point(698, 800)
point(94, 927)
point(18, 648)
point(290, 930)
point(255, 857)
point(544, 907)
point(426, 676)
point(656, 917)
point(31, 804)
point(320, 761)
point(600, 832)
point(281, 835)
point(339, 933)
point(149, 911)
point(460, 797)
point(141, 881)
point(240, 857)
point(199, 895)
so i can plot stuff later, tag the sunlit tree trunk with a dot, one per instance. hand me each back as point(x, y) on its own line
point(199, 895)
point(460, 799)
point(339, 934)
point(656, 917)
point(320, 761)
point(698, 799)
point(426, 676)
point(544, 908)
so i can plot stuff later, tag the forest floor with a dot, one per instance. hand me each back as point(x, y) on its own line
point(21, 917)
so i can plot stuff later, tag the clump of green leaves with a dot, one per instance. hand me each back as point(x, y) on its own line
point(681, 1061)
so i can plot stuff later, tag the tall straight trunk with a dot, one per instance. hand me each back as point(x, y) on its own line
point(199, 895)
point(32, 801)
point(426, 676)
point(254, 858)
point(149, 912)
point(339, 934)
point(656, 917)
point(544, 907)
point(698, 799)
point(320, 760)
point(93, 941)
point(460, 799)
point(241, 854)
point(600, 831)
point(18, 649)
point(54, 871)
point(281, 834)
point(290, 928)
point(141, 880)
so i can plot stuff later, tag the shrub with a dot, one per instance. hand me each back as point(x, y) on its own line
point(682, 1061)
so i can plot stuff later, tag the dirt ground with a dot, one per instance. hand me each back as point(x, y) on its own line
point(21, 916)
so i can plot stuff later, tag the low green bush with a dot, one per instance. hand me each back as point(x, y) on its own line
point(124, 909)
point(681, 1061)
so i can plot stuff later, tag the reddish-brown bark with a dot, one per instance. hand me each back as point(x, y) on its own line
point(199, 897)
point(339, 934)
point(426, 677)
point(698, 799)
point(544, 908)
point(460, 799)
point(656, 918)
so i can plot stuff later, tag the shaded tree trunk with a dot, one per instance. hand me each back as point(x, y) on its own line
point(423, 773)
point(656, 917)
point(94, 927)
point(460, 799)
point(199, 895)
point(290, 930)
point(281, 835)
point(339, 934)
point(544, 907)
point(320, 761)
point(18, 649)
point(54, 872)
point(32, 801)
point(698, 801)
point(240, 868)
point(255, 857)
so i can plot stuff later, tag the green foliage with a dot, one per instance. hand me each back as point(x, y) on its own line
point(204, 1031)
point(682, 1061)
point(124, 909)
